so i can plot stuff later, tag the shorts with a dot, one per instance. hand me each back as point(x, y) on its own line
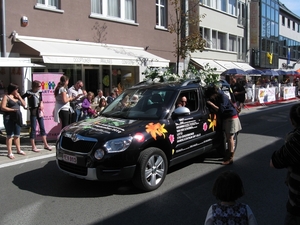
point(232, 125)
point(11, 128)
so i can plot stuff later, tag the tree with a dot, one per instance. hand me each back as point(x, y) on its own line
point(186, 19)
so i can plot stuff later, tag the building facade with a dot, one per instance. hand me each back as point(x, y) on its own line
point(105, 43)
point(225, 29)
point(274, 36)
point(289, 39)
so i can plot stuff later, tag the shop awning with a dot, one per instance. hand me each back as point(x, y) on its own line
point(211, 63)
point(226, 64)
point(17, 62)
point(78, 52)
point(244, 66)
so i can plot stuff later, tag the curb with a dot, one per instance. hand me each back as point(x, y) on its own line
point(280, 101)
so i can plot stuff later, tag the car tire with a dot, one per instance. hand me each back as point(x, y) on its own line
point(224, 147)
point(151, 169)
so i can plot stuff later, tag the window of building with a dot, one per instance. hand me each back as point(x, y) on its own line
point(49, 5)
point(205, 2)
point(288, 23)
point(206, 36)
point(294, 25)
point(232, 43)
point(241, 14)
point(214, 39)
point(232, 7)
point(241, 48)
point(221, 42)
point(283, 20)
point(114, 9)
point(214, 4)
point(223, 5)
point(161, 13)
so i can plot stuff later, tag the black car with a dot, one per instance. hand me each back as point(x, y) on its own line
point(141, 134)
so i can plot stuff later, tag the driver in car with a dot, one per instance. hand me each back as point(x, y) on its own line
point(181, 102)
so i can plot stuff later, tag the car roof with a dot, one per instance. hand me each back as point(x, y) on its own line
point(168, 85)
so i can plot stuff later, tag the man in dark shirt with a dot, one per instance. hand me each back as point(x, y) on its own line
point(288, 156)
point(238, 91)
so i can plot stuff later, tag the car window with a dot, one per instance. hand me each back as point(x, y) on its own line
point(140, 104)
point(192, 99)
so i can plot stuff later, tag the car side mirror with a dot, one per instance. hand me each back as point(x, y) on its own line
point(181, 111)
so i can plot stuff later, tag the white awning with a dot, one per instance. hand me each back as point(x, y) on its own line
point(17, 62)
point(78, 52)
point(243, 66)
point(226, 64)
point(211, 63)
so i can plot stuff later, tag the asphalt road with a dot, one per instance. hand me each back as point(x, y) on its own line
point(36, 192)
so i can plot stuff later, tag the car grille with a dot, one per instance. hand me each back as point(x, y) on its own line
point(78, 146)
point(72, 168)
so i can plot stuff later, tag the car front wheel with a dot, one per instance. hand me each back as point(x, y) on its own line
point(151, 169)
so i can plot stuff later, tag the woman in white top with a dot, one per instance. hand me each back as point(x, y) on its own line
point(63, 110)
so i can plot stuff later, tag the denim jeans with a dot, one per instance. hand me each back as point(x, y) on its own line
point(33, 120)
point(11, 127)
point(76, 116)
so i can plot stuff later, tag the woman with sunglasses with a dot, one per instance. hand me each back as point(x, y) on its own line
point(36, 108)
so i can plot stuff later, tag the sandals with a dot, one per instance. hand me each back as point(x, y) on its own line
point(48, 148)
point(35, 150)
point(11, 156)
point(21, 152)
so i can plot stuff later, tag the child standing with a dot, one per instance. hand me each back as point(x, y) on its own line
point(227, 188)
point(87, 110)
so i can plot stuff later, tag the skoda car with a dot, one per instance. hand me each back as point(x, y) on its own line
point(140, 135)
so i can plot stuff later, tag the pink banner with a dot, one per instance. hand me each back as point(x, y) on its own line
point(49, 82)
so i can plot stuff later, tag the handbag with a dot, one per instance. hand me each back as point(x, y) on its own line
point(41, 113)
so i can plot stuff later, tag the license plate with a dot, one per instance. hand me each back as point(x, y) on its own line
point(70, 159)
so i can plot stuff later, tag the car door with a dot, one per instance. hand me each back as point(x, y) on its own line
point(193, 132)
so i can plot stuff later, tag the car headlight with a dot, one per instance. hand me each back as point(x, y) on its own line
point(118, 145)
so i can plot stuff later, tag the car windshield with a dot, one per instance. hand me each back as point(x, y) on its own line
point(141, 104)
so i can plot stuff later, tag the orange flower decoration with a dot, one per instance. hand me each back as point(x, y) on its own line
point(212, 122)
point(156, 129)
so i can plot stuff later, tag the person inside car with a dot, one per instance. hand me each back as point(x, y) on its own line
point(181, 102)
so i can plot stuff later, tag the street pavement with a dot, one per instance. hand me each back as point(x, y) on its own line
point(30, 155)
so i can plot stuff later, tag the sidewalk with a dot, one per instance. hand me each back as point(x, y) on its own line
point(30, 155)
point(25, 146)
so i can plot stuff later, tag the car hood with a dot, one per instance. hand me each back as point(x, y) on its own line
point(101, 127)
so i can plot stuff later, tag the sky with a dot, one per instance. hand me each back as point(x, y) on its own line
point(293, 5)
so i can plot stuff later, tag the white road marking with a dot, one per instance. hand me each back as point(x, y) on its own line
point(26, 160)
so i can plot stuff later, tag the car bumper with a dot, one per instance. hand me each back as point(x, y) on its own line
point(97, 173)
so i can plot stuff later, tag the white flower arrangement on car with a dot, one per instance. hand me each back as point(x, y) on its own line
point(206, 75)
point(157, 75)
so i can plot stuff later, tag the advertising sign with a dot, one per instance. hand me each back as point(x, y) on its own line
point(48, 82)
point(289, 92)
point(266, 95)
